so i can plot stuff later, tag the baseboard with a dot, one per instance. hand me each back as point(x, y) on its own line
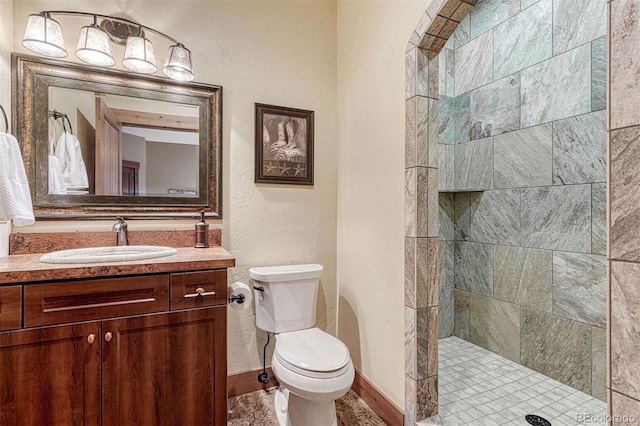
point(241, 383)
point(377, 401)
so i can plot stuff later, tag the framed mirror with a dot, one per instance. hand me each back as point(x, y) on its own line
point(100, 143)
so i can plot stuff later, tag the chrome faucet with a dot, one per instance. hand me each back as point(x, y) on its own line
point(121, 228)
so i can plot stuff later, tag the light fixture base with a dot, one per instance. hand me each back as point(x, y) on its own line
point(119, 32)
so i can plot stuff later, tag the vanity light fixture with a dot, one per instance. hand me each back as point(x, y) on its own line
point(43, 35)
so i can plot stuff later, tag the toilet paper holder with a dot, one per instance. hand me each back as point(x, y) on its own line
point(236, 298)
point(239, 296)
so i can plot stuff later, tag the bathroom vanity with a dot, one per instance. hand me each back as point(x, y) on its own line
point(140, 342)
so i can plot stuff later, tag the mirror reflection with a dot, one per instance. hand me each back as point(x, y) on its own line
point(106, 144)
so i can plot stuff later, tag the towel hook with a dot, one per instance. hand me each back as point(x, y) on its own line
point(6, 121)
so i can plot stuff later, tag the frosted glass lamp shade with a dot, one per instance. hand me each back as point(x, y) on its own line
point(94, 47)
point(177, 66)
point(43, 35)
point(138, 56)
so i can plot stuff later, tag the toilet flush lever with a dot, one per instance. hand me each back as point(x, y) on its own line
point(257, 287)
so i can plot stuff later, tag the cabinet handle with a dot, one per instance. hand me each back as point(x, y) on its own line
point(108, 336)
point(200, 292)
point(91, 338)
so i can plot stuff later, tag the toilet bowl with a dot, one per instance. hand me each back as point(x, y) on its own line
point(313, 367)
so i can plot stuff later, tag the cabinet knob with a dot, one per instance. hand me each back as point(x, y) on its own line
point(199, 290)
point(108, 336)
point(91, 338)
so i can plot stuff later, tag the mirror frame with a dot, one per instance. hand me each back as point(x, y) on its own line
point(31, 78)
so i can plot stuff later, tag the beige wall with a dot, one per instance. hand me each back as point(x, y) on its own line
point(281, 53)
point(372, 39)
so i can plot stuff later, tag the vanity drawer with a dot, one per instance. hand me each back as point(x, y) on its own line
point(195, 289)
point(10, 307)
point(84, 300)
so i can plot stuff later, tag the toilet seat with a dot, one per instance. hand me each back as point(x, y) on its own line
point(312, 353)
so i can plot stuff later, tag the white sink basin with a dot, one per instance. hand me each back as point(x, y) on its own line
point(107, 254)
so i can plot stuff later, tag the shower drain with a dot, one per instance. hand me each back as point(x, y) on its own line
point(537, 420)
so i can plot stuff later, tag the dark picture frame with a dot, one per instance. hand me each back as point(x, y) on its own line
point(284, 145)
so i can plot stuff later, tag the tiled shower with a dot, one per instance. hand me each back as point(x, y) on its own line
point(521, 180)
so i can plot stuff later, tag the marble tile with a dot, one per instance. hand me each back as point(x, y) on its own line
point(442, 73)
point(624, 152)
point(433, 76)
point(462, 35)
point(425, 263)
point(599, 218)
point(557, 347)
point(526, 3)
point(495, 325)
point(474, 267)
point(624, 64)
point(422, 73)
point(495, 108)
point(577, 23)
point(557, 88)
point(474, 165)
point(523, 276)
point(410, 386)
point(446, 203)
point(352, 410)
point(523, 40)
point(432, 341)
point(410, 343)
point(599, 363)
point(580, 287)
point(446, 313)
point(410, 180)
point(426, 124)
point(489, 13)
point(446, 176)
point(462, 215)
point(422, 342)
point(474, 64)
point(450, 72)
point(495, 217)
point(461, 314)
point(625, 322)
point(410, 133)
point(426, 397)
point(580, 149)
point(599, 74)
point(446, 265)
point(410, 74)
point(446, 120)
point(462, 120)
point(557, 218)
point(433, 208)
point(432, 134)
point(523, 158)
point(626, 408)
point(410, 272)
point(254, 408)
point(423, 198)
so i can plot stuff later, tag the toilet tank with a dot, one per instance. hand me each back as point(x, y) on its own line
point(288, 299)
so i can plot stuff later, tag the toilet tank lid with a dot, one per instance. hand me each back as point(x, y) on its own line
point(285, 273)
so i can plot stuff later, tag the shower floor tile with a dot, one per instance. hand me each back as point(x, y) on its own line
point(478, 387)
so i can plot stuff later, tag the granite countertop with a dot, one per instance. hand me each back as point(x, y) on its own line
point(27, 268)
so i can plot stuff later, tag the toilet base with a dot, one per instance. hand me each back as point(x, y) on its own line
point(292, 410)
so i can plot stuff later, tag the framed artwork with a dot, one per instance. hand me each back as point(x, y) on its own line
point(284, 145)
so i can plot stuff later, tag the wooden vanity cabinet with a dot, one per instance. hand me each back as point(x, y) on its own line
point(112, 352)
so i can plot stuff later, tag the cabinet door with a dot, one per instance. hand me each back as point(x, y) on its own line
point(165, 369)
point(50, 375)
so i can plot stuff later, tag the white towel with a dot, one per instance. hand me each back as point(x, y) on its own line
point(70, 156)
point(15, 198)
point(55, 170)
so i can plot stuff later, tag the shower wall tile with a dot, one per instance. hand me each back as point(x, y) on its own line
point(446, 176)
point(474, 165)
point(410, 343)
point(624, 64)
point(410, 74)
point(433, 247)
point(580, 287)
point(446, 120)
point(495, 108)
point(410, 386)
point(474, 267)
point(580, 149)
point(450, 72)
point(410, 133)
point(622, 405)
point(557, 347)
point(462, 35)
point(557, 88)
point(526, 3)
point(426, 131)
point(495, 217)
point(422, 202)
point(599, 218)
point(433, 208)
point(426, 269)
point(523, 276)
point(488, 14)
point(462, 215)
point(599, 74)
point(442, 73)
point(432, 339)
point(523, 40)
point(474, 63)
point(446, 204)
point(461, 314)
point(433, 77)
point(410, 272)
point(426, 398)
point(495, 325)
point(410, 179)
point(445, 314)
point(576, 23)
point(523, 158)
point(422, 73)
point(599, 367)
point(422, 343)
point(462, 132)
point(557, 218)
point(625, 322)
point(625, 194)
point(446, 265)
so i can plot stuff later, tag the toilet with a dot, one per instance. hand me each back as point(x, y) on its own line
point(313, 367)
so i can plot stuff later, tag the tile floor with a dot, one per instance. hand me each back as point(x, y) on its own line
point(478, 387)
point(256, 409)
